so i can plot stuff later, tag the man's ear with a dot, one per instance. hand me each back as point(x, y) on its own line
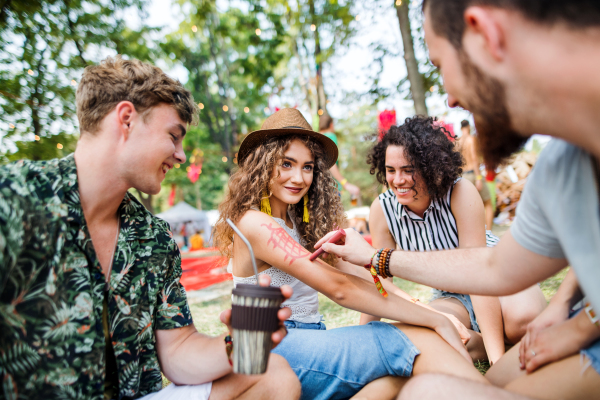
point(126, 115)
point(485, 30)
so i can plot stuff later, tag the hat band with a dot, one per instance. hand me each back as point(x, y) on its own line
point(295, 127)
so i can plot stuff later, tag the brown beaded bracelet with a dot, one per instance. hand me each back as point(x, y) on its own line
point(387, 264)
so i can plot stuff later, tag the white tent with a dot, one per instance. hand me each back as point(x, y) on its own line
point(194, 219)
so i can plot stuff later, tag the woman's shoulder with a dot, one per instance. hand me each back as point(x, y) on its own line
point(463, 189)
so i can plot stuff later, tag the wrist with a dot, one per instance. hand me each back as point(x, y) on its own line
point(479, 177)
point(343, 182)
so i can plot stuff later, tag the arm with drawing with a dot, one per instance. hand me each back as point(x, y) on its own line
point(274, 246)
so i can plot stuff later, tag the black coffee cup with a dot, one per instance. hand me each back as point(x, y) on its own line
point(253, 319)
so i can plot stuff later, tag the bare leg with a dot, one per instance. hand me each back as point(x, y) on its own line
point(279, 382)
point(475, 346)
point(386, 388)
point(519, 309)
point(506, 369)
point(565, 379)
point(489, 213)
point(436, 357)
point(438, 386)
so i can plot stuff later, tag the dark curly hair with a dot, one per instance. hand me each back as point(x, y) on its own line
point(427, 148)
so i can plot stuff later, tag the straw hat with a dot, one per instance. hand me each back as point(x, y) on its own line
point(287, 121)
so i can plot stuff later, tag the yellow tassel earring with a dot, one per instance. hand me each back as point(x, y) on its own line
point(265, 204)
point(305, 215)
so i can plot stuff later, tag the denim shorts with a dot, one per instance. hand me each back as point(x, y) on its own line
point(319, 326)
point(592, 352)
point(337, 363)
point(465, 299)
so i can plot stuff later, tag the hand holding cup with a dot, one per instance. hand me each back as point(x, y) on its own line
point(283, 314)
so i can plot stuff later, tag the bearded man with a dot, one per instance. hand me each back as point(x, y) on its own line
point(523, 67)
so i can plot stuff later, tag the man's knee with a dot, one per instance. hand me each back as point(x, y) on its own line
point(515, 323)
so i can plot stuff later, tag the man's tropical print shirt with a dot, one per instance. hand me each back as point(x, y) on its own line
point(52, 288)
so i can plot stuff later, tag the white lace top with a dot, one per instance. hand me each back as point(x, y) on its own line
point(304, 303)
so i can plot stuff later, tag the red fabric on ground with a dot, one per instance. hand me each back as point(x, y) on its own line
point(199, 273)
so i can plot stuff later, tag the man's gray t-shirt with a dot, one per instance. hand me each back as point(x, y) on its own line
point(559, 214)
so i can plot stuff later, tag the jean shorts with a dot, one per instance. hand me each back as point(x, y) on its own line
point(337, 363)
point(465, 299)
point(319, 326)
point(592, 352)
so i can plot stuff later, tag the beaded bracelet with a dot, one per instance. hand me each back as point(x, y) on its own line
point(381, 261)
point(387, 264)
point(229, 348)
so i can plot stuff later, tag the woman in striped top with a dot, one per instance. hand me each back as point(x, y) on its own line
point(429, 207)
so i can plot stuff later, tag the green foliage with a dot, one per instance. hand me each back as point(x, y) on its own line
point(207, 192)
point(231, 68)
point(45, 46)
point(356, 137)
point(432, 82)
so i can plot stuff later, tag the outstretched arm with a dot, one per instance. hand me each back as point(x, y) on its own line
point(273, 245)
point(502, 270)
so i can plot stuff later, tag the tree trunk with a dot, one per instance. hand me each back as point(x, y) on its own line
point(321, 96)
point(417, 89)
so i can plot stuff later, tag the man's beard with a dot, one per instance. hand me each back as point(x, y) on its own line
point(496, 139)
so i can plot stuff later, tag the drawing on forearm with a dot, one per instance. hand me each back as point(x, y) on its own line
point(282, 240)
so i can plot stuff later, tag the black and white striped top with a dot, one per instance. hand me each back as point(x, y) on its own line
point(435, 231)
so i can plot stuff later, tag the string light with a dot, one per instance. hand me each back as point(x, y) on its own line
point(194, 29)
point(59, 146)
point(313, 27)
point(320, 112)
point(258, 32)
point(201, 106)
point(192, 159)
point(187, 169)
point(37, 138)
point(177, 165)
point(225, 108)
point(357, 17)
point(224, 159)
point(73, 82)
point(12, 126)
point(398, 3)
point(431, 89)
point(367, 112)
point(30, 72)
point(246, 110)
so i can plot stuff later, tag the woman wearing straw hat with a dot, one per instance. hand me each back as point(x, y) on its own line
point(283, 199)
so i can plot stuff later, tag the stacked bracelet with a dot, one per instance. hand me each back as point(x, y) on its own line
point(381, 262)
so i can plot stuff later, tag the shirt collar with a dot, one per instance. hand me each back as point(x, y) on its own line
point(405, 212)
point(136, 221)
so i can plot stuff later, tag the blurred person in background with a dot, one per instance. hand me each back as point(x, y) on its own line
point(467, 145)
point(326, 128)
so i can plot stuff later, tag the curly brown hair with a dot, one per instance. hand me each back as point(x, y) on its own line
point(427, 147)
point(256, 171)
